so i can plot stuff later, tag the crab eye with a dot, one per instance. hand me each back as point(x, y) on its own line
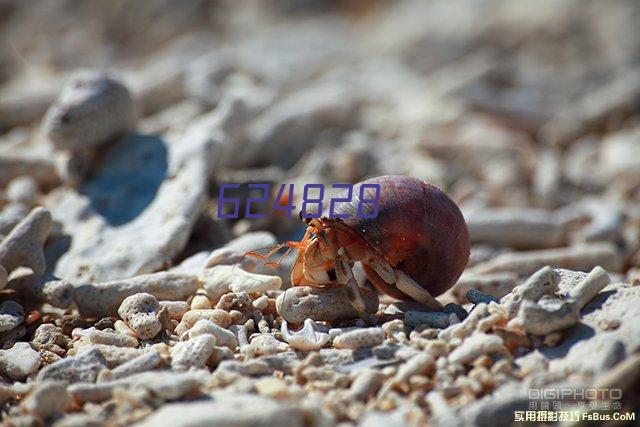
point(304, 219)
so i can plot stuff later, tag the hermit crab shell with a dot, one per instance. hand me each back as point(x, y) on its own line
point(418, 230)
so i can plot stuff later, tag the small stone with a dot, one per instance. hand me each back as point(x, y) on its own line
point(111, 337)
point(4, 277)
point(219, 280)
point(104, 299)
point(223, 336)
point(327, 303)
point(140, 312)
point(307, 338)
point(475, 346)
point(220, 317)
point(176, 309)
point(474, 296)
point(433, 319)
point(82, 368)
point(22, 189)
point(457, 309)
point(11, 315)
point(144, 362)
point(200, 302)
point(92, 109)
point(19, 361)
point(226, 409)
point(23, 246)
point(193, 353)
point(47, 399)
point(49, 336)
point(264, 344)
point(360, 338)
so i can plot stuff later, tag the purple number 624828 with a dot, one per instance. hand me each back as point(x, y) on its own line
point(368, 206)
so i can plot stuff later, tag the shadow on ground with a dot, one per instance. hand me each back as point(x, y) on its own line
point(127, 178)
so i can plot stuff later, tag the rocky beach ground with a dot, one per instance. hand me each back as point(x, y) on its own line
point(125, 299)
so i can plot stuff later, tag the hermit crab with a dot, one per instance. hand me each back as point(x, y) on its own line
point(414, 249)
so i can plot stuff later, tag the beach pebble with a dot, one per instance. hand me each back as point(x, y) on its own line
point(50, 337)
point(11, 315)
point(193, 353)
point(49, 289)
point(226, 409)
point(474, 296)
point(307, 338)
point(47, 399)
point(200, 302)
point(104, 299)
point(92, 109)
point(496, 284)
point(264, 344)
point(23, 246)
point(457, 309)
point(110, 337)
point(118, 218)
point(329, 303)
point(547, 316)
point(223, 336)
point(360, 338)
point(475, 346)
point(220, 317)
point(3, 277)
point(522, 228)
point(84, 367)
point(19, 361)
point(140, 313)
point(23, 189)
point(544, 282)
point(113, 355)
point(366, 384)
point(145, 362)
point(175, 309)
point(577, 257)
point(11, 215)
point(222, 279)
point(433, 319)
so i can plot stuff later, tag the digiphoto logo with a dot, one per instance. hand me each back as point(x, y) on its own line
point(573, 404)
point(575, 394)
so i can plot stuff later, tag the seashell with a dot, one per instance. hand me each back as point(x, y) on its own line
point(307, 338)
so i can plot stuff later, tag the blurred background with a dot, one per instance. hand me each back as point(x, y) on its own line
point(527, 113)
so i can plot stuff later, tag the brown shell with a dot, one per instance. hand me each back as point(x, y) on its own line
point(418, 230)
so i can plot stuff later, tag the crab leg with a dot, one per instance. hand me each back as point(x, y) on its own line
point(403, 282)
point(344, 276)
point(407, 285)
point(290, 244)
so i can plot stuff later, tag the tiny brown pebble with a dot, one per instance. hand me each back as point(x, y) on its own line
point(47, 318)
point(513, 340)
point(69, 322)
point(237, 317)
point(32, 317)
point(104, 323)
point(483, 361)
point(270, 308)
